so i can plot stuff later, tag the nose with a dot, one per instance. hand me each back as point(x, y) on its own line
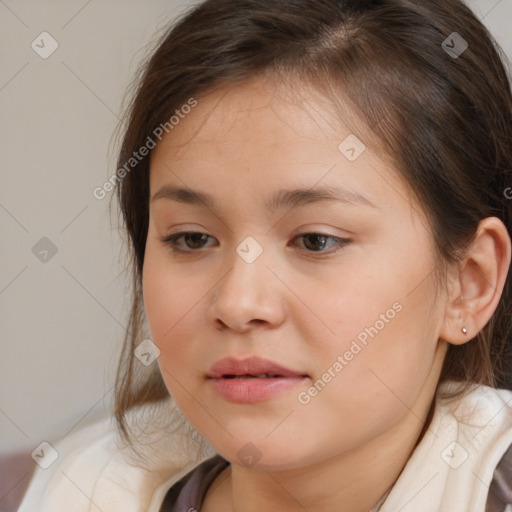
point(247, 296)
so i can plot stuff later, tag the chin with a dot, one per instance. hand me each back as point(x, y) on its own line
point(263, 454)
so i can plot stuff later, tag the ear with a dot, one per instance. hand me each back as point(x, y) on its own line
point(476, 285)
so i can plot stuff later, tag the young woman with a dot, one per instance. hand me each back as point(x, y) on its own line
point(317, 195)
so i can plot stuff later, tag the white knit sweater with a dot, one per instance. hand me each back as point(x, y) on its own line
point(449, 471)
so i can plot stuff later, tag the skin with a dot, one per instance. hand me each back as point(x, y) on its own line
point(301, 305)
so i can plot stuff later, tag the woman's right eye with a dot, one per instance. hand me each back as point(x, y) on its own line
point(195, 237)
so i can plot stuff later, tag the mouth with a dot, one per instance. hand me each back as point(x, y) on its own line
point(252, 380)
point(250, 368)
point(248, 376)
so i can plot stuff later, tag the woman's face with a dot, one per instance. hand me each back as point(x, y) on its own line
point(339, 293)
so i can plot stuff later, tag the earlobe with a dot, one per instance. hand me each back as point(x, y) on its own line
point(456, 328)
point(476, 287)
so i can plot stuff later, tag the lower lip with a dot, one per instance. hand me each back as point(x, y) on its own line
point(253, 389)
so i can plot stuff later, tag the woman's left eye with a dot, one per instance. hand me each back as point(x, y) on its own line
point(317, 241)
point(320, 240)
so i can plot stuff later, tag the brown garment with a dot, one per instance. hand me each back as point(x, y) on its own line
point(499, 498)
point(187, 495)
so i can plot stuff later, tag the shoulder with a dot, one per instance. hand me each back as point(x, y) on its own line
point(95, 470)
point(482, 411)
point(484, 422)
point(457, 457)
point(477, 430)
point(480, 420)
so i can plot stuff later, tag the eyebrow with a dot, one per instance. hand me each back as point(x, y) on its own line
point(291, 198)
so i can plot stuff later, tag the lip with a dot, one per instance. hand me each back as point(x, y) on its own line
point(249, 366)
point(251, 389)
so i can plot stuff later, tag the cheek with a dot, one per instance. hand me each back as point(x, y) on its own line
point(386, 355)
point(378, 385)
point(170, 309)
point(385, 330)
point(172, 303)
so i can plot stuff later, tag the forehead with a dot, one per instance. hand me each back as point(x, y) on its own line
point(268, 136)
point(259, 110)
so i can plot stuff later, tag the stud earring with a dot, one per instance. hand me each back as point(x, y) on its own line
point(464, 330)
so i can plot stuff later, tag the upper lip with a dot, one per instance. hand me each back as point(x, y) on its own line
point(249, 366)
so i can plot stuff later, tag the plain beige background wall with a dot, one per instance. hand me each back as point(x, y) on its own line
point(62, 320)
point(63, 303)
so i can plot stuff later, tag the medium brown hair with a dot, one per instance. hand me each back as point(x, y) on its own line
point(444, 119)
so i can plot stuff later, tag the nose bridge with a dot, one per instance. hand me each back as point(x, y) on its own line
point(247, 291)
point(247, 272)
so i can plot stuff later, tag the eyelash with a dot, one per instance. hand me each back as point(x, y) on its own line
point(172, 240)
